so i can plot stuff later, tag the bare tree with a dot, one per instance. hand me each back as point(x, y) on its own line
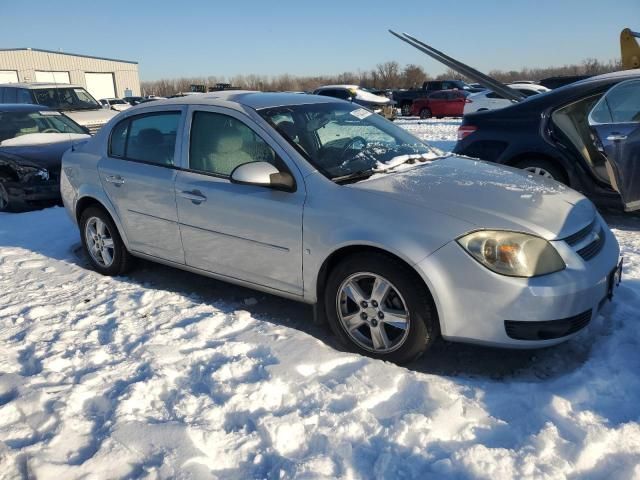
point(388, 74)
point(413, 76)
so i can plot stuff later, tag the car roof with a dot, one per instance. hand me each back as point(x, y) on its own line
point(22, 107)
point(248, 98)
point(338, 86)
point(40, 85)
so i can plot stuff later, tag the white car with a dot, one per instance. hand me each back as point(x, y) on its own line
point(116, 104)
point(72, 100)
point(489, 100)
point(377, 103)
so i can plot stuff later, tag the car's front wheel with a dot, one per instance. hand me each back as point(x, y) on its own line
point(378, 307)
point(425, 113)
point(102, 242)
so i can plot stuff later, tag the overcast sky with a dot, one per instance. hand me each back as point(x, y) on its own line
point(173, 39)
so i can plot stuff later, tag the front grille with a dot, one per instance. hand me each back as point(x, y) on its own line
point(578, 236)
point(588, 241)
point(94, 127)
point(593, 248)
point(548, 329)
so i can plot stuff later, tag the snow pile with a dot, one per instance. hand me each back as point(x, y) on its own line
point(164, 374)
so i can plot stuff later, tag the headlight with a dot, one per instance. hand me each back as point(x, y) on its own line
point(513, 254)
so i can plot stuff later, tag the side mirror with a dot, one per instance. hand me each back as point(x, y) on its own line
point(263, 174)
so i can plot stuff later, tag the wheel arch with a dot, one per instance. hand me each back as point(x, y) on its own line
point(87, 201)
point(561, 163)
point(335, 257)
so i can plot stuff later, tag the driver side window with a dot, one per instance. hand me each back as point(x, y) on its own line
point(220, 143)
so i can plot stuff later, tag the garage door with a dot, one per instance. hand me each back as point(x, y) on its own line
point(8, 76)
point(100, 85)
point(52, 77)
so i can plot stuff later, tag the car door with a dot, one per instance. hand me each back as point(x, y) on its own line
point(615, 123)
point(138, 174)
point(436, 104)
point(245, 232)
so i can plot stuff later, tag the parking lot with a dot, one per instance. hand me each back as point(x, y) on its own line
point(162, 373)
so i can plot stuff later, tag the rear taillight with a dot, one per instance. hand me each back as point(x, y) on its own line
point(468, 100)
point(465, 130)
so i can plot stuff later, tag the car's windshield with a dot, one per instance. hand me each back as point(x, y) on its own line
point(342, 139)
point(71, 98)
point(16, 124)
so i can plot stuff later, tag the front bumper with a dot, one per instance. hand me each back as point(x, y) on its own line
point(475, 305)
point(35, 192)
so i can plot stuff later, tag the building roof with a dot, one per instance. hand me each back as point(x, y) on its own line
point(32, 85)
point(65, 53)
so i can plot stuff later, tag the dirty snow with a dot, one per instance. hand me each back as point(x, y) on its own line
point(164, 374)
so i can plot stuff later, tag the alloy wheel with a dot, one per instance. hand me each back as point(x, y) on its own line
point(539, 171)
point(372, 312)
point(99, 242)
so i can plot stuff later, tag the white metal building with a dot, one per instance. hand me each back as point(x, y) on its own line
point(102, 77)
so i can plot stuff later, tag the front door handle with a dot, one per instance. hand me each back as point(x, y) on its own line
point(195, 196)
point(616, 137)
point(115, 179)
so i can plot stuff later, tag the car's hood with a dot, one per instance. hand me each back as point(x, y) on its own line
point(488, 196)
point(46, 155)
point(91, 117)
point(33, 139)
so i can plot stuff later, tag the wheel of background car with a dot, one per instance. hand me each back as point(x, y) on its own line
point(50, 130)
point(5, 203)
point(102, 242)
point(350, 143)
point(543, 167)
point(375, 306)
point(425, 113)
point(406, 109)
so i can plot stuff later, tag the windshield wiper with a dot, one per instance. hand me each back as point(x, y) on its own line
point(359, 175)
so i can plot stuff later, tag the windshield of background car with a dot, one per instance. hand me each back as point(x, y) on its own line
point(72, 98)
point(341, 139)
point(15, 124)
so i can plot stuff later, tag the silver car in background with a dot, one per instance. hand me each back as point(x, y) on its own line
point(323, 201)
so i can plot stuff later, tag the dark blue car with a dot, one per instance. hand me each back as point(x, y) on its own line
point(585, 134)
point(32, 141)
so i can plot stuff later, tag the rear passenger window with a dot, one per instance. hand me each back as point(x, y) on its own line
point(147, 138)
point(10, 95)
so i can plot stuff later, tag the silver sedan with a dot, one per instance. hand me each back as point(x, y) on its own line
point(323, 201)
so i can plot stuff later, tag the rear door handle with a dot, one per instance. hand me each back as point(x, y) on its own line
point(116, 179)
point(195, 196)
point(616, 137)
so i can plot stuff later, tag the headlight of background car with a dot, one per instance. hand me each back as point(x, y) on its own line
point(28, 173)
point(511, 253)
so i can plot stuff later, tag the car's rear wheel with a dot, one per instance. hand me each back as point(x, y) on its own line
point(406, 109)
point(544, 168)
point(375, 307)
point(425, 113)
point(102, 242)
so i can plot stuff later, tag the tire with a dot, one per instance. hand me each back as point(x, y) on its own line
point(545, 168)
point(406, 297)
point(6, 205)
point(406, 109)
point(425, 113)
point(91, 222)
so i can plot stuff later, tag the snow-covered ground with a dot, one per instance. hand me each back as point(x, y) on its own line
point(164, 374)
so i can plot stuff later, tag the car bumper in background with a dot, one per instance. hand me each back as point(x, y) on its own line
point(477, 305)
point(33, 193)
